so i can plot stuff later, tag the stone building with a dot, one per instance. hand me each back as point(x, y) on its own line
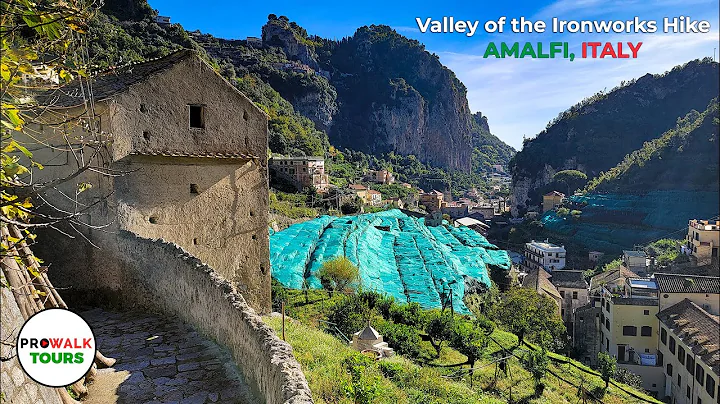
point(573, 290)
point(432, 200)
point(304, 172)
point(186, 151)
point(368, 339)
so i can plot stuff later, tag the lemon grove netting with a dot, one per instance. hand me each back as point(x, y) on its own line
point(396, 254)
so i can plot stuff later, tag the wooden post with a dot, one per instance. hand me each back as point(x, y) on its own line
point(282, 308)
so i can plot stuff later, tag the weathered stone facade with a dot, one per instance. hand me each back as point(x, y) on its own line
point(199, 181)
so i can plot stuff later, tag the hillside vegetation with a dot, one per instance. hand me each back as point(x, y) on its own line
point(685, 158)
point(597, 133)
point(338, 374)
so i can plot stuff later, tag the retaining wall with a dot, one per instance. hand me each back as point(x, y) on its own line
point(162, 276)
point(15, 386)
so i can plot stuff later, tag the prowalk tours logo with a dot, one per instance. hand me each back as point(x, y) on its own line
point(56, 347)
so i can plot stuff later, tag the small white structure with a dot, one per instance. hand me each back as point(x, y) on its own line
point(369, 339)
point(162, 20)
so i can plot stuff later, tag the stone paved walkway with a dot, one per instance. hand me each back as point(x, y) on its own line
point(161, 360)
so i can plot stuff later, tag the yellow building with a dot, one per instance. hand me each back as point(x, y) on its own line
point(629, 330)
point(432, 200)
point(552, 200)
point(690, 348)
point(702, 290)
point(703, 241)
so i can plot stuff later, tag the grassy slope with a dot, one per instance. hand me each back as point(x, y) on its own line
point(322, 355)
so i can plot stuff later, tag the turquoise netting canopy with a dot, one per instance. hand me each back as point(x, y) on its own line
point(613, 222)
point(396, 254)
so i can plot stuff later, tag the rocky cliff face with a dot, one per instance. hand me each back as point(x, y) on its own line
point(597, 133)
point(291, 38)
point(395, 96)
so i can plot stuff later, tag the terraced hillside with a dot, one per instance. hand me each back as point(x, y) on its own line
point(396, 254)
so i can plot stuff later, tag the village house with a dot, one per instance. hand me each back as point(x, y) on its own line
point(703, 241)
point(455, 209)
point(690, 348)
point(630, 330)
point(486, 211)
point(552, 200)
point(162, 20)
point(380, 177)
point(538, 280)
point(433, 200)
point(374, 198)
point(193, 151)
point(573, 290)
point(594, 256)
point(545, 255)
point(636, 261)
point(304, 172)
point(587, 317)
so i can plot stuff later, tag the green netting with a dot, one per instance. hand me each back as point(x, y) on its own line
point(396, 254)
point(613, 222)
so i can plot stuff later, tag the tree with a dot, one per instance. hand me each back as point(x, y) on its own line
point(468, 340)
point(607, 366)
point(439, 329)
point(337, 273)
point(42, 50)
point(570, 180)
point(625, 376)
point(536, 362)
point(524, 312)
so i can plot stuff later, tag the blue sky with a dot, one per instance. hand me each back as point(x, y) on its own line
point(519, 96)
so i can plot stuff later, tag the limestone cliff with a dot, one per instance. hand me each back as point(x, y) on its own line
point(395, 96)
point(289, 36)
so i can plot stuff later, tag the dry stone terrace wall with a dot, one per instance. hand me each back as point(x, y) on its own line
point(179, 284)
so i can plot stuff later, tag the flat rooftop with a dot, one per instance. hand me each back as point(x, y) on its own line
point(546, 246)
point(648, 284)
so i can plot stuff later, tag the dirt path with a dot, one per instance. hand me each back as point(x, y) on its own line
point(161, 360)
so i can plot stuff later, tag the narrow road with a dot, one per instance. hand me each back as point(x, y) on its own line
point(161, 360)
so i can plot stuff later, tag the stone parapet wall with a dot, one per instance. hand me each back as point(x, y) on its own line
point(162, 276)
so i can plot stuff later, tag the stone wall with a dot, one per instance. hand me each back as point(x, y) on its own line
point(15, 386)
point(159, 276)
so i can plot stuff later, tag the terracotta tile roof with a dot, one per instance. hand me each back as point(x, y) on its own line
point(568, 279)
point(539, 280)
point(112, 81)
point(678, 283)
point(611, 275)
point(171, 153)
point(357, 187)
point(697, 328)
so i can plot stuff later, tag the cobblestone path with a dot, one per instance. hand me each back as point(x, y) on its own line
point(161, 360)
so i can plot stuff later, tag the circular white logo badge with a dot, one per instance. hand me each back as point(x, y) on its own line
point(56, 347)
